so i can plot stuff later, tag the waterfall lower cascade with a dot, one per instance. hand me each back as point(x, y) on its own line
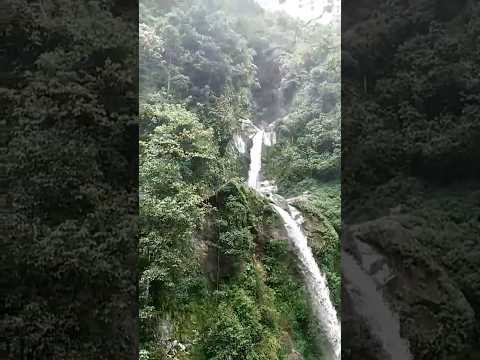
point(315, 280)
point(316, 283)
point(369, 302)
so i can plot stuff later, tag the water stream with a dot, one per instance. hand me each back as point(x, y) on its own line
point(315, 280)
point(361, 285)
point(370, 303)
point(255, 160)
point(316, 284)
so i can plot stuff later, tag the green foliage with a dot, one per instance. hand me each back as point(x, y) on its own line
point(308, 144)
point(238, 243)
point(420, 111)
point(296, 320)
point(306, 157)
point(178, 153)
point(238, 332)
point(239, 212)
point(411, 149)
point(194, 51)
point(69, 242)
point(324, 241)
point(176, 150)
point(203, 232)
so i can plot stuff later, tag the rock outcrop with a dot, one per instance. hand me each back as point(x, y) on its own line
point(434, 314)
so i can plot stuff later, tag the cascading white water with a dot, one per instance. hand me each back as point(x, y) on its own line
point(269, 138)
point(369, 302)
point(316, 283)
point(315, 280)
point(255, 160)
point(239, 144)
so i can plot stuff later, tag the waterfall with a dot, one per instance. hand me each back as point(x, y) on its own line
point(316, 282)
point(270, 138)
point(255, 160)
point(369, 301)
point(239, 144)
point(362, 286)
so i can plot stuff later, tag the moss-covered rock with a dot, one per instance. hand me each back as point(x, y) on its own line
point(268, 277)
point(324, 242)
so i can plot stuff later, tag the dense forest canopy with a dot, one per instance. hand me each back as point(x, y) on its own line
point(410, 166)
point(68, 238)
point(207, 241)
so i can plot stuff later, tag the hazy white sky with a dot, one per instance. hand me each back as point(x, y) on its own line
point(304, 9)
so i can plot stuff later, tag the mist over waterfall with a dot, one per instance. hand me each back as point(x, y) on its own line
point(315, 280)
